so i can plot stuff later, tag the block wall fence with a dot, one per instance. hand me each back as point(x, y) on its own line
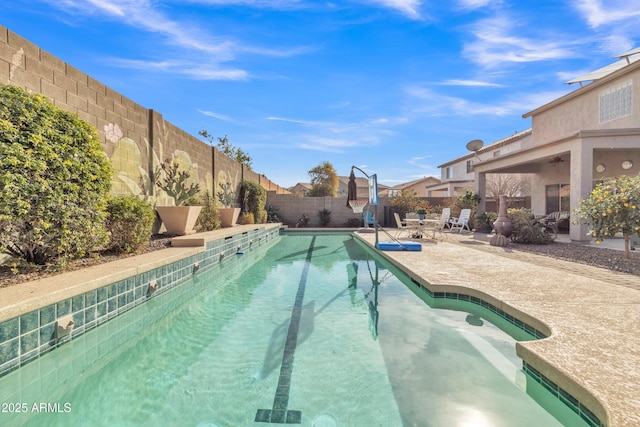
point(135, 139)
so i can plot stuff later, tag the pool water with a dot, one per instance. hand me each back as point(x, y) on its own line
point(315, 330)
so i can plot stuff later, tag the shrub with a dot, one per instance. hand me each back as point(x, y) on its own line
point(526, 229)
point(246, 218)
point(303, 221)
point(130, 222)
point(209, 218)
point(254, 199)
point(272, 214)
point(404, 202)
point(54, 180)
point(325, 217)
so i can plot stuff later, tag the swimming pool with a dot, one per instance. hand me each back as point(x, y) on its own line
point(315, 330)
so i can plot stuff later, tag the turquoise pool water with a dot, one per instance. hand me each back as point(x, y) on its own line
point(314, 330)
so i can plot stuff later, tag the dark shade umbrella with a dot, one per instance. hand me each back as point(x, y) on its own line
point(352, 188)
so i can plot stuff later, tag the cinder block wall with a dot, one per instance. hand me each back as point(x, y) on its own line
point(135, 138)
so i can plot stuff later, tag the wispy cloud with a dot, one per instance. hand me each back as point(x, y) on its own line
point(408, 8)
point(476, 83)
point(217, 116)
point(598, 14)
point(496, 43)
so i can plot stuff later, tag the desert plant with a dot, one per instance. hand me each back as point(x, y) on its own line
point(174, 182)
point(54, 180)
point(246, 218)
point(303, 221)
point(130, 223)
point(484, 221)
point(272, 214)
point(226, 195)
point(325, 217)
point(526, 229)
point(209, 218)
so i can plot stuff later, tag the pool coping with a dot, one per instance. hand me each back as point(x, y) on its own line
point(26, 297)
point(591, 351)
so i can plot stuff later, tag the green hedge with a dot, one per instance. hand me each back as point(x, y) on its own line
point(54, 179)
point(130, 223)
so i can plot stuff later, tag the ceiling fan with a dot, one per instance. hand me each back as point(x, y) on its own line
point(556, 160)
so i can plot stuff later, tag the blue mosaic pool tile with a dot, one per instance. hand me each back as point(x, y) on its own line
point(101, 295)
point(78, 319)
point(9, 329)
point(29, 322)
point(9, 350)
point(77, 303)
point(48, 334)
point(90, 314)
point(29, 341)
point(91, 298)
point(47, 315)
point(63, 308)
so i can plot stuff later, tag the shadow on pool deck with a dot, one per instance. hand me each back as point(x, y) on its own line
point(592, 312)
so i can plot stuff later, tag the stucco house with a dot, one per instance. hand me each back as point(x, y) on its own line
point(420, 187)
point(587, 135)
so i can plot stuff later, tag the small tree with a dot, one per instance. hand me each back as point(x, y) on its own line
point(324, 181)
point(54, 180)
point(228, 149)
point(612, 207)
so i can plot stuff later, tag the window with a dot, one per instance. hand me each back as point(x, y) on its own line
point(448, 173)
point(558, 197)
point(616, 102)
point(469, 166)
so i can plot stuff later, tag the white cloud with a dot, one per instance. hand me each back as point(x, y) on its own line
point(615, 11)
point(217, 116)
point(408, 8)
point(496, 44)
point(474, 4)
point(475, 83)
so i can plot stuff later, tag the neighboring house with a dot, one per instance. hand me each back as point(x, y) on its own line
point(585, 136)
point(419, 186)
point(362, 184)
point(458, 175)
point(300, 189)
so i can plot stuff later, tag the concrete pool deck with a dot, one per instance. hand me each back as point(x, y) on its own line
point(593, 351)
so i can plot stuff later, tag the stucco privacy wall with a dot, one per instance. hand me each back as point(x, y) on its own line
point(135, 138)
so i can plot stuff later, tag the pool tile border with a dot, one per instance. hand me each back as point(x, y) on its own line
point(31, 335)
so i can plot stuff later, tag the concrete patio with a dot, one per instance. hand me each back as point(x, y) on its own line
point(592, 314)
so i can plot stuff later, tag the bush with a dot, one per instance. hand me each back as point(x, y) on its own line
point(272, 214)
point(526, 229)
point(209, 218)
point(130, 222)
point(254, 199)
point(246, 218)
point(404, 202)
point(54, 180)
point(325, 217)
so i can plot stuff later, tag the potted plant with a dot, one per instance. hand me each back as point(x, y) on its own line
point(422, 211)
point(178, 219)
point(229, 213)
point(485, 222)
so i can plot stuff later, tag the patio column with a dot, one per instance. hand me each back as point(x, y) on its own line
point(581, 183)
point(480, 188)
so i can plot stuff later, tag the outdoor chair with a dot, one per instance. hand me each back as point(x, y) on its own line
point(402, 227)
point(367, 219)
point(462, 221)
point(557, 220)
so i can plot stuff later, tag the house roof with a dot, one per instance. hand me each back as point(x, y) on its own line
point(626, 68)
point(414, 182)
point(626, 58)
point(496, 144)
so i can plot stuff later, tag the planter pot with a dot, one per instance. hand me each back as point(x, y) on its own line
point(179, 220)
point(229, 216)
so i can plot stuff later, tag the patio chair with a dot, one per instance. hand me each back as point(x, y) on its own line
point(401, 225)
point(462, 221)
point(444, 219)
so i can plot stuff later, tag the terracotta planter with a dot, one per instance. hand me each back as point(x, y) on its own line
point(229, 216)
point(179, 220)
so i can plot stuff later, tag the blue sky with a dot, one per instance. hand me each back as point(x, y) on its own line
point(395, 87)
